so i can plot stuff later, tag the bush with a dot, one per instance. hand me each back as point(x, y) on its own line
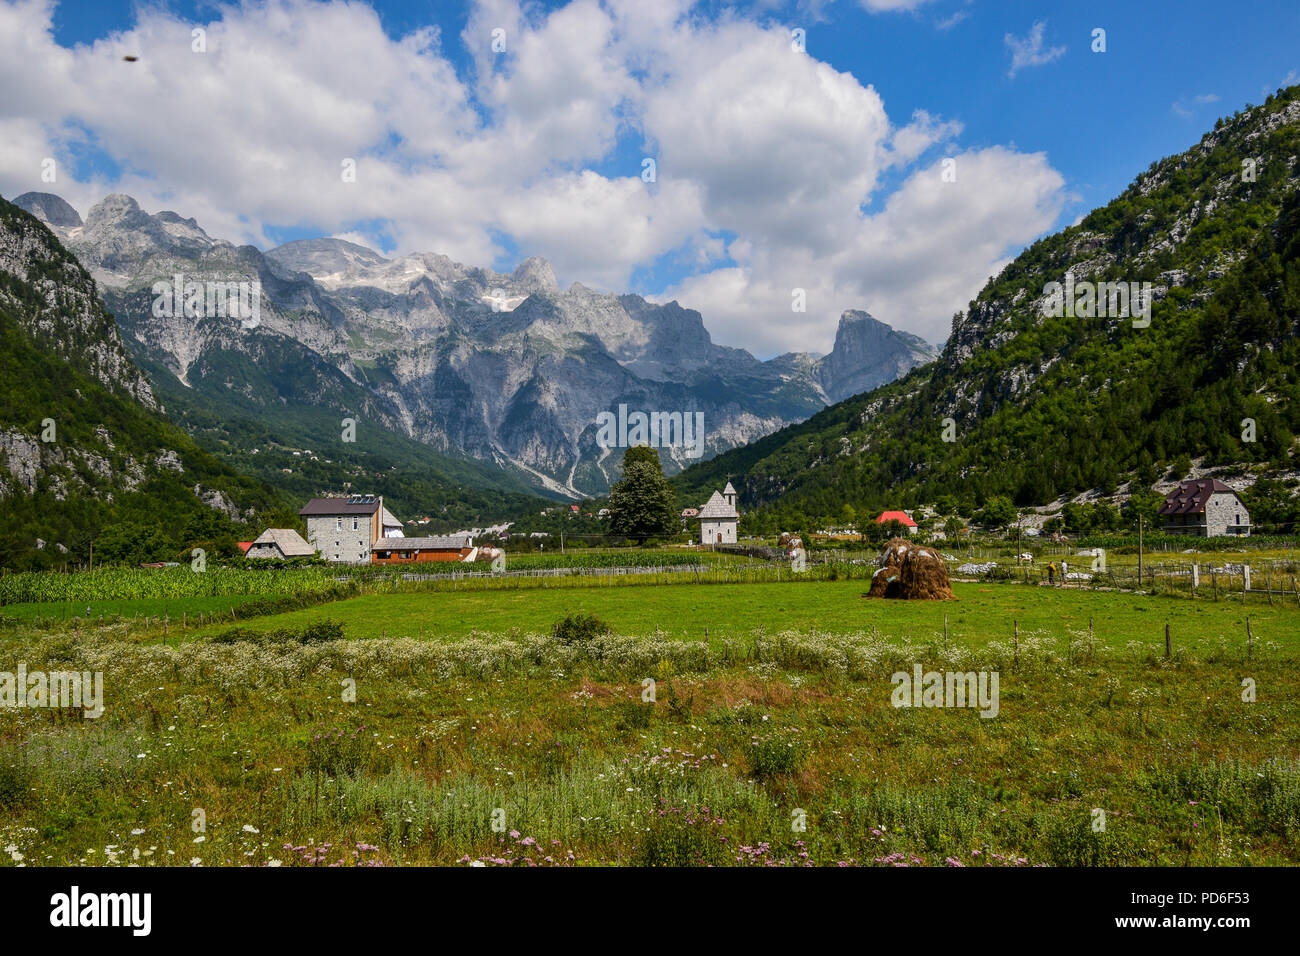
point(780, 754)
point(318, 633)
point(321, 632)
point(579, 628)
point(15, 783)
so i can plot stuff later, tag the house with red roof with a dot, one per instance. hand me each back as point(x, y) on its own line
point(902, 517)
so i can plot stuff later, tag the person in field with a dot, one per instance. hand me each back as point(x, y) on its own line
point(1051, 573)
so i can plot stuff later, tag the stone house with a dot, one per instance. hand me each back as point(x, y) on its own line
point(280, 543)
point(344, 530)
point(1205, 507)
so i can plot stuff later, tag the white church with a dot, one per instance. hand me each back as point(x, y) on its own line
point(718, 518)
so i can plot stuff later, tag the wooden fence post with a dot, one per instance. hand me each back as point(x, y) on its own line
point(1168, 647)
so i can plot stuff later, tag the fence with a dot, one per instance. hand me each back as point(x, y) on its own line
point(1211, 580)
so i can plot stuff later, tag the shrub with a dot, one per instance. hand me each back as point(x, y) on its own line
point(579, 628)
point(15, 782)
point(777, 754)
point(321, 632)
point(317, 633)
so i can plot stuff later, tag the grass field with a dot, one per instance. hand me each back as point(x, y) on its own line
point(488, 741)
point(982, 612)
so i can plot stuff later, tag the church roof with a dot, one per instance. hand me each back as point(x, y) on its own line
point(717, 507)
point(728, 490)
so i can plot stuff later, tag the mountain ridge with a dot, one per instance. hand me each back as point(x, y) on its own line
point(533, 365)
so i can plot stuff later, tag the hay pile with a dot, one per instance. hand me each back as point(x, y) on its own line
point(885, 582)
point(910, 572)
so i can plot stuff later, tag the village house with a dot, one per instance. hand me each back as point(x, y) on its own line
point(344, 530)
point(902, 517)
point(402, 550)
point(280, 544)
point(359, 530)
point(718, 518)
point(1206, 507)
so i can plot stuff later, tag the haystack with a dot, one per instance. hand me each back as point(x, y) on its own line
point(910, 572)
point(885, 582)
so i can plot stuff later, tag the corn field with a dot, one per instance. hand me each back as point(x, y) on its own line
point(116, 584)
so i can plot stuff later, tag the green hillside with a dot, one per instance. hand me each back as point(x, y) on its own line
point(114, 472)
point(1039, 407)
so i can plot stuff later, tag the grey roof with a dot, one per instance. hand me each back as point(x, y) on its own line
point(355, 505)
point(717, 507)
point(289, 542)
point(728, 490)
point(389, 520)
point(444, 543)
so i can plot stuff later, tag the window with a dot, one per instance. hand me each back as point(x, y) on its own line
point(338, 524)
point(355, 526)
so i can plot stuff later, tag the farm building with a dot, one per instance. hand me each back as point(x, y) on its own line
point(902, 517)
point(344, 530)
point(392, 528)
point(1205, 507)
point(718, 518)
point(280, 543)
point(410, 550)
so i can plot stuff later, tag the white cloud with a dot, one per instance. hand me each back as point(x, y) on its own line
point(1028, 50)
point(769, 147)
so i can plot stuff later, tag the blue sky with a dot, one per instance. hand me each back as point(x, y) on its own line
point(724, 236)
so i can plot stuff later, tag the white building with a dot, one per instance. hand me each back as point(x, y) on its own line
point(718, 518)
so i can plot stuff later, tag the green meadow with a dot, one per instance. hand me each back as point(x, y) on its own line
point(453, 728)
point(981, 613)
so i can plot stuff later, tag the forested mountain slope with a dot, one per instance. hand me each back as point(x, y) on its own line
point(1037, 407)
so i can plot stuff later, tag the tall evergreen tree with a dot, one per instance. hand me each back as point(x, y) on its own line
point(642, 504)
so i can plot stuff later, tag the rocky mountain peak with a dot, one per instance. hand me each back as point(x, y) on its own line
point(535, 275)
point(50, 209)
point(868, 353)
point(324, 256)
point(117, 209)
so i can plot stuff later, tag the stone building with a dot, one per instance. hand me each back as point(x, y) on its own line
point(280, 544)
point(718, 518)
point(1205, 507)
point(345, 530)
